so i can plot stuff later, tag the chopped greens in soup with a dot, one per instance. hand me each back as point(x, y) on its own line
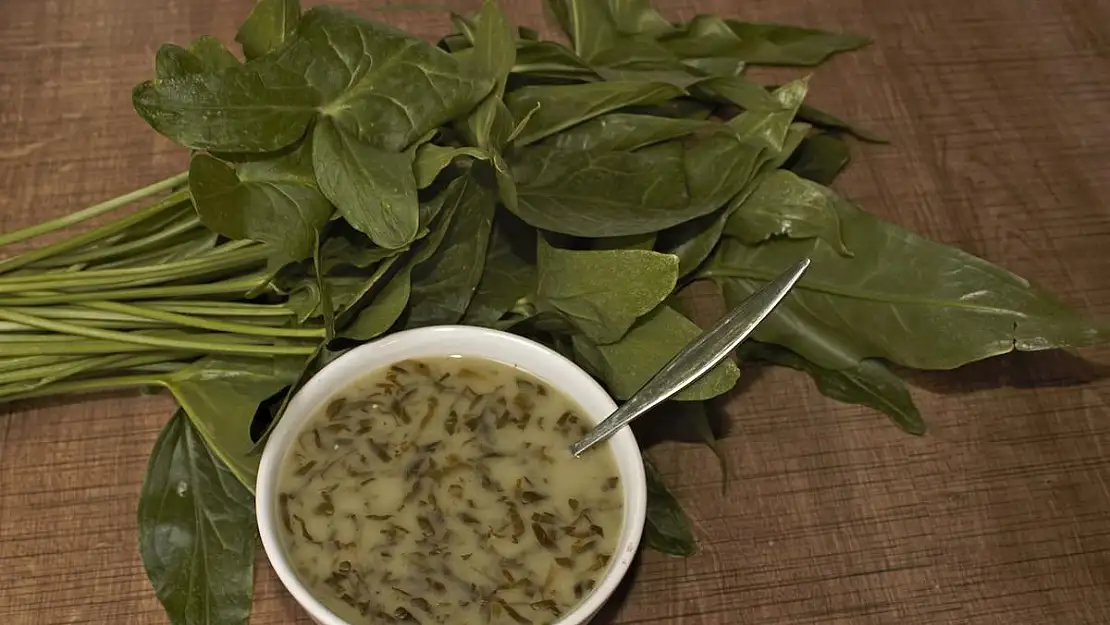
point(443, 491)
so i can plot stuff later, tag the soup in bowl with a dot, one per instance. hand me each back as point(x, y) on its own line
point(426, 478)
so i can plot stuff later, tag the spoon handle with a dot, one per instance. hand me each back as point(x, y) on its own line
point(698, 357)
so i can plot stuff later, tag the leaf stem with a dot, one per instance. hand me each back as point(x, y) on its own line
point(206, 324)
point(135, 245)
point(92, 211)
point(228, 287)
point(79, 240)
point(153, 341)
point(233, 255)
point(16, 392)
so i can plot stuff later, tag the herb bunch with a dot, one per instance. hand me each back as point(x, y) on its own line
point(348, 179)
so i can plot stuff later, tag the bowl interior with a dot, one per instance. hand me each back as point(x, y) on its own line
point(548, 366)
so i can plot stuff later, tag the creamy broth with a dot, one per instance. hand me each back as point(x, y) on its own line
point(443, 491)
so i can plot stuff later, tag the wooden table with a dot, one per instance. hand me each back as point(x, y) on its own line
point(998, 112)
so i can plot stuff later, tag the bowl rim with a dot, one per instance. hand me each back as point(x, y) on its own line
point(363, 359)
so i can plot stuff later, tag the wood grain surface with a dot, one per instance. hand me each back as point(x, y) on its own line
point(997, 111)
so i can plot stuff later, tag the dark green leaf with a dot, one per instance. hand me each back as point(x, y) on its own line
point(548, 58)
point(628, 364)
point(869, 383)
point(212, 54)
point(275, 202)
point(197, 531)
point(781, 44)
point(509, 273)
point(563, 106)
point(221, 394)
point(494, 43)
point(821, 119)
point(384, 85)
point(173, 61)
point(603, 194)
point(444, 283)
point(345, 246)
point(783, 204)
point(373, 189)
point(624, 131)
point(383, 312)
point(743, 92)
point(603, 291)
point(432, 158)
point(637, 17)
point(821, 157)
point(270, 24)
point(245, 108)
point(587, 23)
point(769, 127)
point(666, 529)
point(911, 301)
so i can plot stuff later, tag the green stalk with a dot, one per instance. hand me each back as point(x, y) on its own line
point(92, 211)
point(46, 374)
point(76, 241)
point(154, 341)
point(139, 276)
point(222, 309)
point(235, 288)
point(16, 392)
point(137, 245)
point(206, 324)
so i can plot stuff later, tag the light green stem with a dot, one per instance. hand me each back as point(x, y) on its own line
point(153, 341)
point(155, 240)
point(16, 392)
point(234, 255)
point(98, 209)
point(227, 287)
point(76, 241)
point(208, 324)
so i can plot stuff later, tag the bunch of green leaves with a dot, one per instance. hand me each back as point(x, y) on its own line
point(565, 191)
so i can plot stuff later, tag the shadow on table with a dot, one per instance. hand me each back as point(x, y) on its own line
point(1023, 370)
point(611, 610)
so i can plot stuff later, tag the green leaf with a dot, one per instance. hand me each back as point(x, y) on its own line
point(345, 246)
point(444, 283)
point(666, 529)
point(781, 44)
point(868, 383)
point(603, 291)
point(275, 202)
point(563, 106)
point(743, 92)
point(625, 131)
point(212, 54)
point(244, 108)
point(494, 43)
point(769, 127)
point(173, 61)
point(221, 395)
point(432, 159)
point(270, 24)
point(509, 274)
point(602, 194)
point(821, 157)
point(383, 312)
point(652, 342)
point(197, 531)
point(783, 204)
point(821, 119)
point(637, 17)
point(587, 23)
point(384, 85)
point(903, 298)
point(550, 59)
point(710, 37)
point(373, 189)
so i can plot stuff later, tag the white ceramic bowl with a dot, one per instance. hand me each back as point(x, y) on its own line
point(545, 364)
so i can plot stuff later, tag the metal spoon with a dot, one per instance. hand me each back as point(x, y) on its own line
point(698, 357)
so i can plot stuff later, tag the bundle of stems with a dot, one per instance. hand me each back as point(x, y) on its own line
point(139, 296)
